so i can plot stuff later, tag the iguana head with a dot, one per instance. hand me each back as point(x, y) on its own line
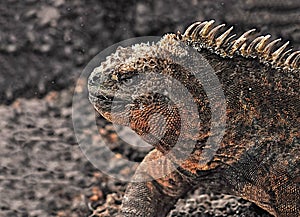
point(143, 87)
point(115, 86)
point(111, 85)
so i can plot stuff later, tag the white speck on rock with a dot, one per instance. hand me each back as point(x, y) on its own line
point(48, 15)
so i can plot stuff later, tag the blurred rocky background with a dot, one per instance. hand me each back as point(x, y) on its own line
point(44, 46)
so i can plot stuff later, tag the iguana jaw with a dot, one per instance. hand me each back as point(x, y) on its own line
point(110, 107)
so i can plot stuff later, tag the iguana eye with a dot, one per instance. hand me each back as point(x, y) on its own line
point(127, 81)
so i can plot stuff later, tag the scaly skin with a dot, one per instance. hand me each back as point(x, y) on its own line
point(257, 157)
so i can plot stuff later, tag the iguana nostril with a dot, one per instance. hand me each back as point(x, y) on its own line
point(95, 78)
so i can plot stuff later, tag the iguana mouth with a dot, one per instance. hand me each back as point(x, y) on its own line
point(110, 104)
point(95, 99)
point(100, 102)
point(97, 95)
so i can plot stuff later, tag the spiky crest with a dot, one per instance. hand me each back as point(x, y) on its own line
point(205, 35)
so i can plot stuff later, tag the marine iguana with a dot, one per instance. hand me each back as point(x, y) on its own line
point(258, 157)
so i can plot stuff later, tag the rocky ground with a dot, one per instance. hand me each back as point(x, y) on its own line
point(44, 46)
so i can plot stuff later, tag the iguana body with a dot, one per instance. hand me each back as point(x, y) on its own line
point(258, 158)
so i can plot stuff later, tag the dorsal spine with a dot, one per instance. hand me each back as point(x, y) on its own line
point(205, 35)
